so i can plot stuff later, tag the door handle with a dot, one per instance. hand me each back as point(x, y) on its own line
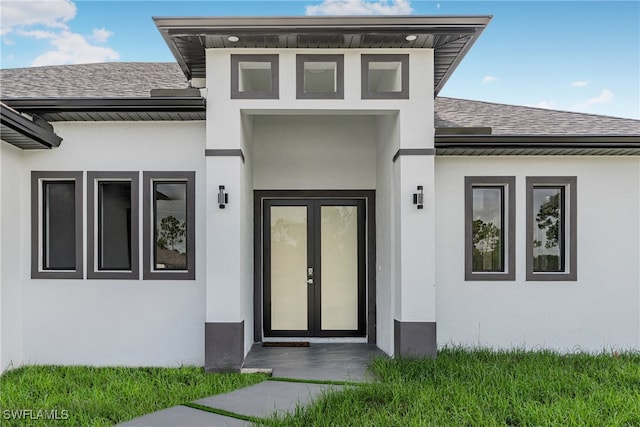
point(310, 276)
point(309, 281)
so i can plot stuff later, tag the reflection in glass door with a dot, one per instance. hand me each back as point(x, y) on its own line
point(314, 275)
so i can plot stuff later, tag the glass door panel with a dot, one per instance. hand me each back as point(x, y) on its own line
point(289, 289)
point(339, 267)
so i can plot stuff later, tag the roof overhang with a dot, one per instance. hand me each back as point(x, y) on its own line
point(449, 36)
point(112, 109)
point(25, 133)
point(537, 145)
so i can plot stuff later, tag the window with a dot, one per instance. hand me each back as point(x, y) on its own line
point(112, 238)
point(489, 228)
point(385, 76)
point(169, 225)
point(254, 77)
point(56, 225)
point(551, 228)
point(320, 76)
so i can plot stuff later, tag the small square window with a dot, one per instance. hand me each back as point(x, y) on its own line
point(56, 225)
point(112, 225)
point(489, 228)
point(385, 76)
point(320, 76)
point(254, 76)
point(551, 228)
point(169, 225)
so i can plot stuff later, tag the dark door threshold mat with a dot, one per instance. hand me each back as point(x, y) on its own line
point(286, 344)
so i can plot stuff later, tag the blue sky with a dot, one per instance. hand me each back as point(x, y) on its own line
point(574, 55)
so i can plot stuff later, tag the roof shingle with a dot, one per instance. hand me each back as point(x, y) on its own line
point(136, 79)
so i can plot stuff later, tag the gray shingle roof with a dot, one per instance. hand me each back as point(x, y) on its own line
point(104, 80)
point(517, 120)
point(136, 79)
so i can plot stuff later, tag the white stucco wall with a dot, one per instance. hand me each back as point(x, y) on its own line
point(117, 322)
point(314, 152)
point(12, 227)
point(387, 141)
point(598, 311)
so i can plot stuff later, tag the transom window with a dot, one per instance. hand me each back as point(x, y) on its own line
point(320, 76)
point(385, 76)
point(254, 76)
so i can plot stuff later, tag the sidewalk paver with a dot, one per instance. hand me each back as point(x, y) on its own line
point(266, 398)
point(182, 416)
point(322, 362)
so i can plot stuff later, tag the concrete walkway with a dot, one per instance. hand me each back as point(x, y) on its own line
point(319, 362)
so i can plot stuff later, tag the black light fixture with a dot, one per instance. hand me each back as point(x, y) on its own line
point(223, 198)
point(418, 198)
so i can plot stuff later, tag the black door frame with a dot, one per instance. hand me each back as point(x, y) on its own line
point(368, 196)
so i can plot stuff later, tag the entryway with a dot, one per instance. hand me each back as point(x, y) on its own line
point(316, 249)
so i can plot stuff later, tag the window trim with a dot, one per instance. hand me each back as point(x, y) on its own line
point(508, 183)
point(149, 178)
point(235, 76)
point(365, 59)
point(37, 205)
point(570, 230)
point(93, 178)
point(301, 59)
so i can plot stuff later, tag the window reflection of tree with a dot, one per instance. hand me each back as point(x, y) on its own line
point(547, 242)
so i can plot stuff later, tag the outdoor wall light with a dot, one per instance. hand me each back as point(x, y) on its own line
point(411, 37)
point(233, 39)
point(418, 198)
point(223, 198)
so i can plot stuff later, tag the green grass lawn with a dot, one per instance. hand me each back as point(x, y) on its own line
point(459, 388)
point(105, 396)
point(485, 388)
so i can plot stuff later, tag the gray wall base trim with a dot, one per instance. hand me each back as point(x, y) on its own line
point(414, 339)
point(223, 346)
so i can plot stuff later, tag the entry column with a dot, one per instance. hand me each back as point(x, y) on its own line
point(224, 324)
point(414, 229)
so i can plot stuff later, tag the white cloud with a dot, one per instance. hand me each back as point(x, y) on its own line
point(549, 105)
point(361, 7)
point(580, 83)
point(605, 97)
point(489, 79)
point(37, 34)
point(50, 13)
point(101, 35)
point(72, 48)
point(49, 20)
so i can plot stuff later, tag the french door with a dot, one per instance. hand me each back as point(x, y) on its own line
point(314, 267)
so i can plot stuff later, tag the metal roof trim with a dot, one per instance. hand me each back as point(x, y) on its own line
point(532, 144)
point(14, 121)
point(156, 103)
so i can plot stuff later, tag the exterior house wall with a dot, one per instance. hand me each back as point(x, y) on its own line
point(116, 322)
point(12, 265)
point(290, 143)
point(314, 152)
point(598, 311)
point(387, 141)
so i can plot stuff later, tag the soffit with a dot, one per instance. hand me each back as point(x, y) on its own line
point(449, 36)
